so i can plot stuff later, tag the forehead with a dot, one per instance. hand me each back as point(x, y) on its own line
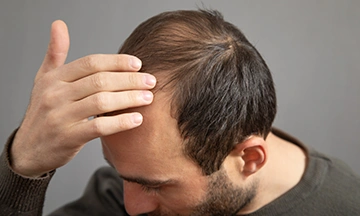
point(154, 148)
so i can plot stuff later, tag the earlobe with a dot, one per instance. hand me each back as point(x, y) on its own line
point(253, 153)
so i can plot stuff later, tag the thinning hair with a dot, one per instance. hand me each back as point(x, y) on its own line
point(220, 87)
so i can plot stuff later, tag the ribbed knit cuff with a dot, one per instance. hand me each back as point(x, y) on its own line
point(17, 192)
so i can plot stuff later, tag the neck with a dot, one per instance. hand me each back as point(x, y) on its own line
point(284, 169)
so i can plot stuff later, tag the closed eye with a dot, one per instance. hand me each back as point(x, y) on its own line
point(150, 189)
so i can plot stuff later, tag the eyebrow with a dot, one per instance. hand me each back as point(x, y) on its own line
point(141, 180)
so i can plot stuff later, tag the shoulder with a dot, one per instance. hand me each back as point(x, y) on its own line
point(106, 180)
point(340, 190)
point(341, 180)
point(103, 196)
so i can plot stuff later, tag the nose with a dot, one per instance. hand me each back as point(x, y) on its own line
point(137, 201)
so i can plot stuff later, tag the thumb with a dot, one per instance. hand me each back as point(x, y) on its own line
point(58, 47)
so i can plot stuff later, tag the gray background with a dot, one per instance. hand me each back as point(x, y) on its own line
point(312, 48)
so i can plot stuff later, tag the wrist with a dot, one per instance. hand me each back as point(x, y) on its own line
point(18, 163)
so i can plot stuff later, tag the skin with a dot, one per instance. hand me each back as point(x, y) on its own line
point(64, 96)
point(154, 152)
point(151, 157)
point(161, 180)
point(141, 141)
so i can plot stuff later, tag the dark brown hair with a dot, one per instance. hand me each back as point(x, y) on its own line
point(221, 89)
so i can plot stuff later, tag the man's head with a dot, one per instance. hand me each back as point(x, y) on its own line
point(202, 137)
point(220, 87)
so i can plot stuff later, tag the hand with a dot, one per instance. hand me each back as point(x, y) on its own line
point(56, 124)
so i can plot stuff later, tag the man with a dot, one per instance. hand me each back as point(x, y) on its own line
point(195, 140)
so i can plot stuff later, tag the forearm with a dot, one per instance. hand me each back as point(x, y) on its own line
point(20, 195)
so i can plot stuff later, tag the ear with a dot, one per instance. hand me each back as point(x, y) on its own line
point(253, 153)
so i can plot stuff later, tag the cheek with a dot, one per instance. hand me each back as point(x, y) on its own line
point(233, 167)
point(182, 200)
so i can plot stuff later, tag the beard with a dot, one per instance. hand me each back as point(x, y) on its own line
point(222, 198)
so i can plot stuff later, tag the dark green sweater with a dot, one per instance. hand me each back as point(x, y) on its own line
point(328, 187)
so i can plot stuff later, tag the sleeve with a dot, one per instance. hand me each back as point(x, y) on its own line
point(103, 196)
point(20, 195)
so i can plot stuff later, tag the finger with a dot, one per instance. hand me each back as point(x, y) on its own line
point(110, 81)
point(96, 63)
point(58, 47)
point(105, 102)
point(106, 125)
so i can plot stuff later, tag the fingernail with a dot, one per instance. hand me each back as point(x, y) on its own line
point(147, 96)
point(135, 63)
point(150, 80)
point(137, 118)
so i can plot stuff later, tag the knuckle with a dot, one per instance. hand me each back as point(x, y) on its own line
point(122, 61)
point(134, 97)
point(47, 100)
point(99, 81)
point(91, 62)
point(124, 122)
point(97, 127)
point(134, 79)
point(101, 101)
